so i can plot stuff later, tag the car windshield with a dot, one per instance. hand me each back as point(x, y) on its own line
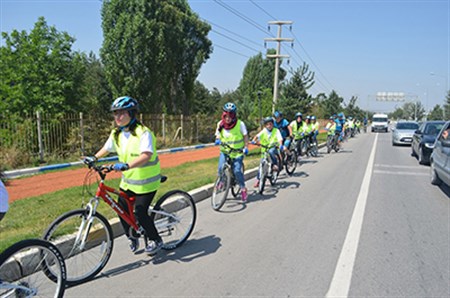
point(379, 119)
point(409, 126)
point(433, 128)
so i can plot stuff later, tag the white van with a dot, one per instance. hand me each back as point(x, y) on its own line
point(380, 122)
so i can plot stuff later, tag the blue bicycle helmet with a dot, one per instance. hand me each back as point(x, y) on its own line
point(308, 117)
point(229, 107)
point(268, 119)
point(298, 115)
point(313, 117)
point(124, 103)
point(277, 114)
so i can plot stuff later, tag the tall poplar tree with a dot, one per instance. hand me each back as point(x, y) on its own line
point(153, 50)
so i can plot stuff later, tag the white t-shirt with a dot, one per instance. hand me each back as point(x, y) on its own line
point(269, 134)
point(145, 142)
point(3, 198)
point(226, 132)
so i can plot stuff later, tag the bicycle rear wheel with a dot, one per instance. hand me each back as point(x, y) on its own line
point(85, 243)
point(23, 269)
point(174, 216)
point(291, 162)
point(221, 189)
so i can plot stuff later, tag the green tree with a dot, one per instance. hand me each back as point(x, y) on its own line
point(332, 104)
point(447, 106)
point(38, 71)
point(436, 113)
point(153, 50)
point(294, 95)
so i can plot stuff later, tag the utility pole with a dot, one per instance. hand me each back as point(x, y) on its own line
point(277, 56)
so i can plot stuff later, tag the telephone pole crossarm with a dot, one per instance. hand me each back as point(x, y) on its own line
point(277, 56)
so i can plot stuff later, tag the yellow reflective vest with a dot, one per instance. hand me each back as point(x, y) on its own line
point(235, 139)
point(145, 178)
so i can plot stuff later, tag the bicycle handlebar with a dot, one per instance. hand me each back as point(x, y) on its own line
point(232, 149)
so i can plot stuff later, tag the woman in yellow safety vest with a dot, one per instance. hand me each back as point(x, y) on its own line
point(233, 132)
point(135, 145)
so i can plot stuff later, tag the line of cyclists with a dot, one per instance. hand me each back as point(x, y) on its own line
point(279, 137)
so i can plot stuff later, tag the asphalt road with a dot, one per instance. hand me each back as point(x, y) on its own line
point(362, 222)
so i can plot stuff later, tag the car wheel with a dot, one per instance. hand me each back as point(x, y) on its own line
point(421, 158)
point(434, 177)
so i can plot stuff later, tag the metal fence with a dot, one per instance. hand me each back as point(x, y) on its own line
point(41, 135)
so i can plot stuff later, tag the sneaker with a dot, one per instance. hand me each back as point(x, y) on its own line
point(275, 168)
point(256, 185)
point(244, 195)
point(134, 244)
point(154, 247)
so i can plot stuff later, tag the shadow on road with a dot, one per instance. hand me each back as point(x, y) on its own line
point(192, 249)
point(445, 189)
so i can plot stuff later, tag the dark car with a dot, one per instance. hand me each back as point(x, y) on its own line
point(423, 140)
point(440, 158)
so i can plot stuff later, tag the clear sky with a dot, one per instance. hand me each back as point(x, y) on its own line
point(356, 47)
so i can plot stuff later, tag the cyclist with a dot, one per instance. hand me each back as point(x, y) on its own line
point(232, 131)
point(315, 128)
point(3, 198)
point(135, 145)
point(331, 126)
point(298, 128)
point(340, 120)
point(269, 136)
point(282, 124)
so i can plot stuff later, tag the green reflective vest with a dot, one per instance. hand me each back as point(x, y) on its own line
point(265, 140)
point(235, 140)
point(297, 130)
point(145, 178)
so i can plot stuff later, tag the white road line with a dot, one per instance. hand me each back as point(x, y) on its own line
point(400, 173)
point(340, 284)
point(400, 167)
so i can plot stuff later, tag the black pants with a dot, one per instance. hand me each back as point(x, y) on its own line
point(141, 204)
point(2, 214)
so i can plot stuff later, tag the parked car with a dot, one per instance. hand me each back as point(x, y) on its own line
point(423, 140)
point(403, 132)
point(440, 158)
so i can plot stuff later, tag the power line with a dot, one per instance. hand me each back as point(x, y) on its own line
point(242, 16)
point(229, 31)
point(237, 53)
point(270, 16)
point(236, 41)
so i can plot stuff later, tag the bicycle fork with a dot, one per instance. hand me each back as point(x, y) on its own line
point(85, 226)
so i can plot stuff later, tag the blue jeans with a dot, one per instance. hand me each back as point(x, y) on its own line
point(237, 168)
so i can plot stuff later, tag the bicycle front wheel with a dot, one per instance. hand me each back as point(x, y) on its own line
point(174, 216)
point(291, 162)
point(23, 268)
point(85, 242)
point(262, 176)
point(221, 189)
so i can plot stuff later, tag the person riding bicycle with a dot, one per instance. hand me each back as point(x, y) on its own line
point(331, 126)
point(282, 124)
point(340, 120)
point(233, 132)
point(269, 136)
point(135, 145)
point(298, 128)
point(3, 198)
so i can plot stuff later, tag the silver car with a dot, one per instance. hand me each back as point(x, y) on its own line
point(440, 158)
point(403, 132)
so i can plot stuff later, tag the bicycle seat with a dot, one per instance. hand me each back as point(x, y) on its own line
point(163, 178)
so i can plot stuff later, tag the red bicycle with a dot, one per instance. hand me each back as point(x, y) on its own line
point(85, 237)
